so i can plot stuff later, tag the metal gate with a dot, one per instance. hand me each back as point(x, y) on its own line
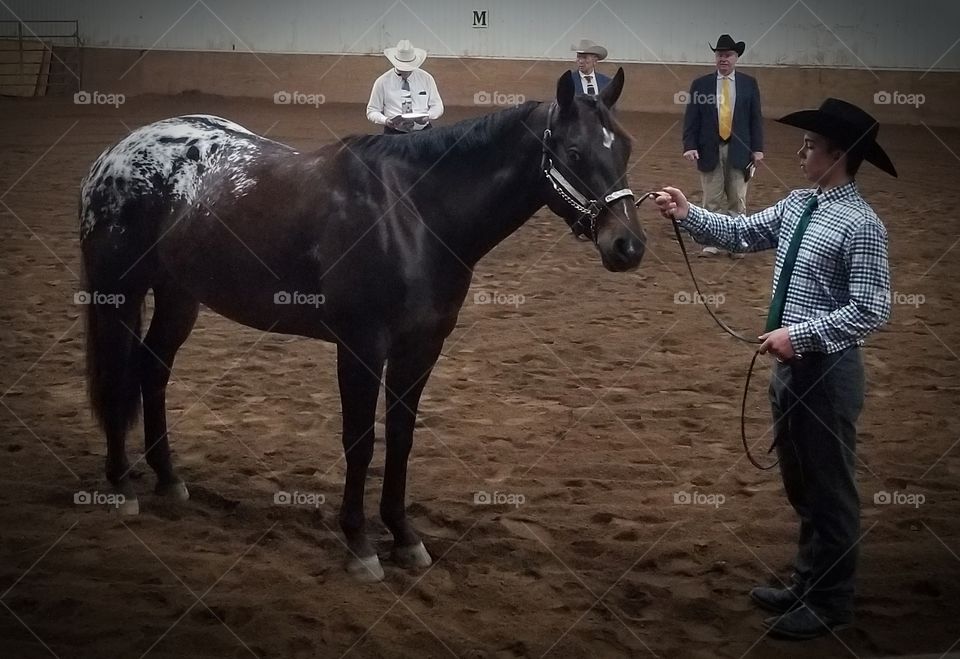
point(39, 58)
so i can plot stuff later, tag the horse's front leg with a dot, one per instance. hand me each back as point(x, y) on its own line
point(408, 369)
point(358, 372)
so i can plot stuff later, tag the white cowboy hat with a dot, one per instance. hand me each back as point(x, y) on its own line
point(405, 57)
point(589, 47)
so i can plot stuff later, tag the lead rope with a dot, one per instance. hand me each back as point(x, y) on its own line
point(726, 328)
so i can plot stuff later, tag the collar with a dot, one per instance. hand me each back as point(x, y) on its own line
point(584, 75)
point(732, 76)
point(845, 191)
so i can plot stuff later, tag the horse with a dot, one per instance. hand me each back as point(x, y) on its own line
point(369, 243)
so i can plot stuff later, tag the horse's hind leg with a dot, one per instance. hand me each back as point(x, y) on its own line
point(174, 314)
point(408, 369)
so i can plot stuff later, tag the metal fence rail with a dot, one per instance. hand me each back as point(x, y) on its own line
point(39, 56)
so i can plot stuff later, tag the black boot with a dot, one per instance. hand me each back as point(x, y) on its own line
point(777, 600)
point(803, 623)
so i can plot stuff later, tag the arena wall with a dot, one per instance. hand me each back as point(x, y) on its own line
point(477, 81)
point(866, 34)
point(906, 55)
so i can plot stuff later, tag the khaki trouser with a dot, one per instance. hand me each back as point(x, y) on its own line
point(724, 190)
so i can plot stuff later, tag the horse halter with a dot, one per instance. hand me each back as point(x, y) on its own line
point(588, 208)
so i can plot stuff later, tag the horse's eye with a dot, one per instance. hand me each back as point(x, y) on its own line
point(574, 155)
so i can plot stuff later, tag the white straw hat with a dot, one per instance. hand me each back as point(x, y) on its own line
point(405, 57)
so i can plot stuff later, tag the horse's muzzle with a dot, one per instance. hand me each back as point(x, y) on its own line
point(624, 253)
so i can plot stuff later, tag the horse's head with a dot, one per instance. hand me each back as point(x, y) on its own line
point(585, 163)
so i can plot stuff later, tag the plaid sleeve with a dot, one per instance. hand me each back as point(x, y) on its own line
point(869, 304)
point(744, 233)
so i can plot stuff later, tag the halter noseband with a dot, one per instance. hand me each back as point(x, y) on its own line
point(588, 208)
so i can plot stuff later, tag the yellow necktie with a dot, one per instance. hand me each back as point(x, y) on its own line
point(726, 112)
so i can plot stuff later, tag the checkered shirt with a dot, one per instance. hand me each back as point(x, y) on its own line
point(840, 288)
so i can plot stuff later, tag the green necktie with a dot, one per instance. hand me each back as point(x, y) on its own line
point(775, 315)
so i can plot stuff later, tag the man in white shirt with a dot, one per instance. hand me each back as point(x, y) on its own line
point(591, 80)
point(405, 98)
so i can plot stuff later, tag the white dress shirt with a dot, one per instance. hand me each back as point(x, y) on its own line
point(593, 81)
point(733, 92)
point(386, 97)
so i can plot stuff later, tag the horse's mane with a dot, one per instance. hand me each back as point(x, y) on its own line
point(462, 136)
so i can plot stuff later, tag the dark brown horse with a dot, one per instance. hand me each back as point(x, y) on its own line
point(369, 243)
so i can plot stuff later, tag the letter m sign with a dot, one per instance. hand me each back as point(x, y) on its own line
point(480, 18)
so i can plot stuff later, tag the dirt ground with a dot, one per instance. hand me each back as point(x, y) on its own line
point(592, 405)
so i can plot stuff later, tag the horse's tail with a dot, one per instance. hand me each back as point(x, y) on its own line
point(116, 238)
point(113, 341)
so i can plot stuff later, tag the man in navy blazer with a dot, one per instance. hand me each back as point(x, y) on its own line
point(723, 130)
point(591, 80)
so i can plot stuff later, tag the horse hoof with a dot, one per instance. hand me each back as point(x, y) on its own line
point(130, 506)
point(412, 556)
point(366, 569)
point(176, 490)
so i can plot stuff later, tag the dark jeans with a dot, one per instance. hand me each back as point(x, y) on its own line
point(816, 401)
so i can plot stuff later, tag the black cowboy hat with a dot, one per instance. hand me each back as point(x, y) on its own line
point(848, 126)
point(726, 42)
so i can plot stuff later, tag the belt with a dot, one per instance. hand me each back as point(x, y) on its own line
point(813, 355)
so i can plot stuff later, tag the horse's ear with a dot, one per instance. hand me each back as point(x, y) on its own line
point(565, 91)
point(611, 92)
